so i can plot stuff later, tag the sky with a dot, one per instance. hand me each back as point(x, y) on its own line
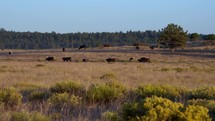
point(66, 16)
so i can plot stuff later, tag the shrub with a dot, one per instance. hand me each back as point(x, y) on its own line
point(20, 116)
point(112, 116)
point(10, 98)
point(39, 96)
point(196, 113)
point(179, 69)
point(157, 108)
point(209, 104)
point(166, 91)
point(64, 99)
point(105, 92)
point(25, 116)
point(69, 87)
point(165, 69)
point(203, 93)
point(36, 116)
point(26, 89)
point(108, 76)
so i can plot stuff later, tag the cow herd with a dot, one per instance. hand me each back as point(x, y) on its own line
point(109, 60)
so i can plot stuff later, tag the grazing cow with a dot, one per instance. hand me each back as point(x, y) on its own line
point(111, 60)
point(85, 60)
point(137, 48)
point(107, 45)
point(130, 59)
point(63, 49)
point(82, 47)
point(10, 53)
point(66, 59)
point(144, 59)
point(153, 46)
point(50, 59)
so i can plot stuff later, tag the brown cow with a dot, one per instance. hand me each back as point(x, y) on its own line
point(85, 60)
point(50, 59)
point(144, 59)
point(130, 59)
point(107, 45)
point(82, 47)
point(111, 60)
point(137, 48)
point(66, 59)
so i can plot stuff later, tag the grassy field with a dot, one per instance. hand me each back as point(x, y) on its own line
point(186, 69)
point(189, 68)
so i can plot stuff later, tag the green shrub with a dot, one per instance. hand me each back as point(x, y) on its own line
point(108, 76)
point(39, 96)
point(26, 89)
point(105, 92)
point(165, 69)
point(166, 91)
point(112, 116)
point(64, 99)
point(209, 104)
point(36, 116)
point(203, 93)
point(25, 116)
point(195, 69)
point(161, 109)
point(179, 70)
point(20, 116)
point(56, 116)
point(196, 113)
point(69, 87)
point(10, 98)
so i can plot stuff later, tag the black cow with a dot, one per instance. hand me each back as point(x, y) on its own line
point(137, 48)
point(130, 59)
point(85, 60)
point(144, 59)
point(50, 59)
point(107, 45)
point(10, 53)
point(82, 47)
point(153, 46)
point(63, 49)
point(67, 59)
point(111, 60)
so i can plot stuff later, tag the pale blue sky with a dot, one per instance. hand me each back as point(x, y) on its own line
point(65, 16)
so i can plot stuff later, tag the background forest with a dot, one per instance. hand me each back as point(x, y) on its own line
point(37, 40)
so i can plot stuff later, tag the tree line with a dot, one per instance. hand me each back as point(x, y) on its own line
point(37, 40)
point(53, 40)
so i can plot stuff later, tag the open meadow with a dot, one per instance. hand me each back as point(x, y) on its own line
point(189, 69)
point(186, 69)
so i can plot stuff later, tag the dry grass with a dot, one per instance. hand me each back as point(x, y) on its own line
point(190, 68)
point(182, 69)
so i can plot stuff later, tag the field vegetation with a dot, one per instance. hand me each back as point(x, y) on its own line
point(177, 86)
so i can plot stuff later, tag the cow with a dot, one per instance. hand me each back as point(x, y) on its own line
point(66, 59)
point(144, 59)
point(130, 59)
point(82, 47)
point(137, 48)
point(107, 45)
point(153, 46)
point(85, 60)
point(63, 49)
point(50, 59)
point(111, 60)
point(10, 53)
